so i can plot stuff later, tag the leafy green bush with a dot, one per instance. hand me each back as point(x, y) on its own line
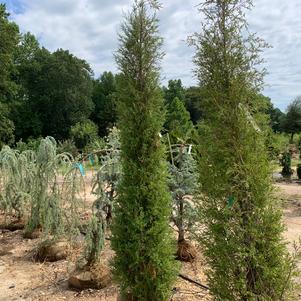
point(276, 144)
point(95, 145)
point(7, 127)
point(84, 133)
point(67, 146)
point(31, 144)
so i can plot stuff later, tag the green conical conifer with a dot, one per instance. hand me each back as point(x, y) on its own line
point(178, 121)
point(144, 263)
point(241, 231)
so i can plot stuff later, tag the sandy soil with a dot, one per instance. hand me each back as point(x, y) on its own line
point(23, 279)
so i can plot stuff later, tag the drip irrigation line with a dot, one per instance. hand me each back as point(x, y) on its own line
point(193, 282)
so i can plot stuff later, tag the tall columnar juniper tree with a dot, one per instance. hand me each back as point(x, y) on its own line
point(144, 263)
point(242, 230)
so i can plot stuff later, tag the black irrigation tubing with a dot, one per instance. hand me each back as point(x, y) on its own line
point(194, 282)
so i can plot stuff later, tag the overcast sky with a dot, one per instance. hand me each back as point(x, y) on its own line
point(88, 28)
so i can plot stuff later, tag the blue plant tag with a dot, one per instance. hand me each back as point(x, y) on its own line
point(81, 168)
point(230, 201)
point(91, 159)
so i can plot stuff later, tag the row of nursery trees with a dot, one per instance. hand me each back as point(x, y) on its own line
point(221, 187)
point(239, 225)
point(45, 190)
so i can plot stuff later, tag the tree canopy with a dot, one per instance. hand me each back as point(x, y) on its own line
point(104, 99)
point(9, 39)
point(291, 123)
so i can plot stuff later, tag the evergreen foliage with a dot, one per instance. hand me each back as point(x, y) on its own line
point(107, 178)
point(104, 187)
point(193, 102)
point(241, 232)
point(178, 121)
point(174, 89)
point(183, 185)
point(72, 195)
point(144, 262)
point(16, 180)
point(95, 237)
point(286, 163)
point(35, 188)
point(46, 210)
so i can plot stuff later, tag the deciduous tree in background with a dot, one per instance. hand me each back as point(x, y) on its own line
point(142, 240)
point(9, 38)
point(56, 91)
point(84, 133)
point(242, 229)
point(28, 60)
point(104, 99)
point(291, 123)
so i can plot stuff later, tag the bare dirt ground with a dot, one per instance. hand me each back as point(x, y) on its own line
point(23, 279)
point(291, 195)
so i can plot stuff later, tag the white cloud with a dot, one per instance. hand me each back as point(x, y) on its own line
point(279, 23)
point(88, 28)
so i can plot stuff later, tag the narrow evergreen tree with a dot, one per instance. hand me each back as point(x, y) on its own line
point(174, 89)
point(178, 121)
point(183, 185)
point(242, 230)
point(144, 263)
point(286, 163)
